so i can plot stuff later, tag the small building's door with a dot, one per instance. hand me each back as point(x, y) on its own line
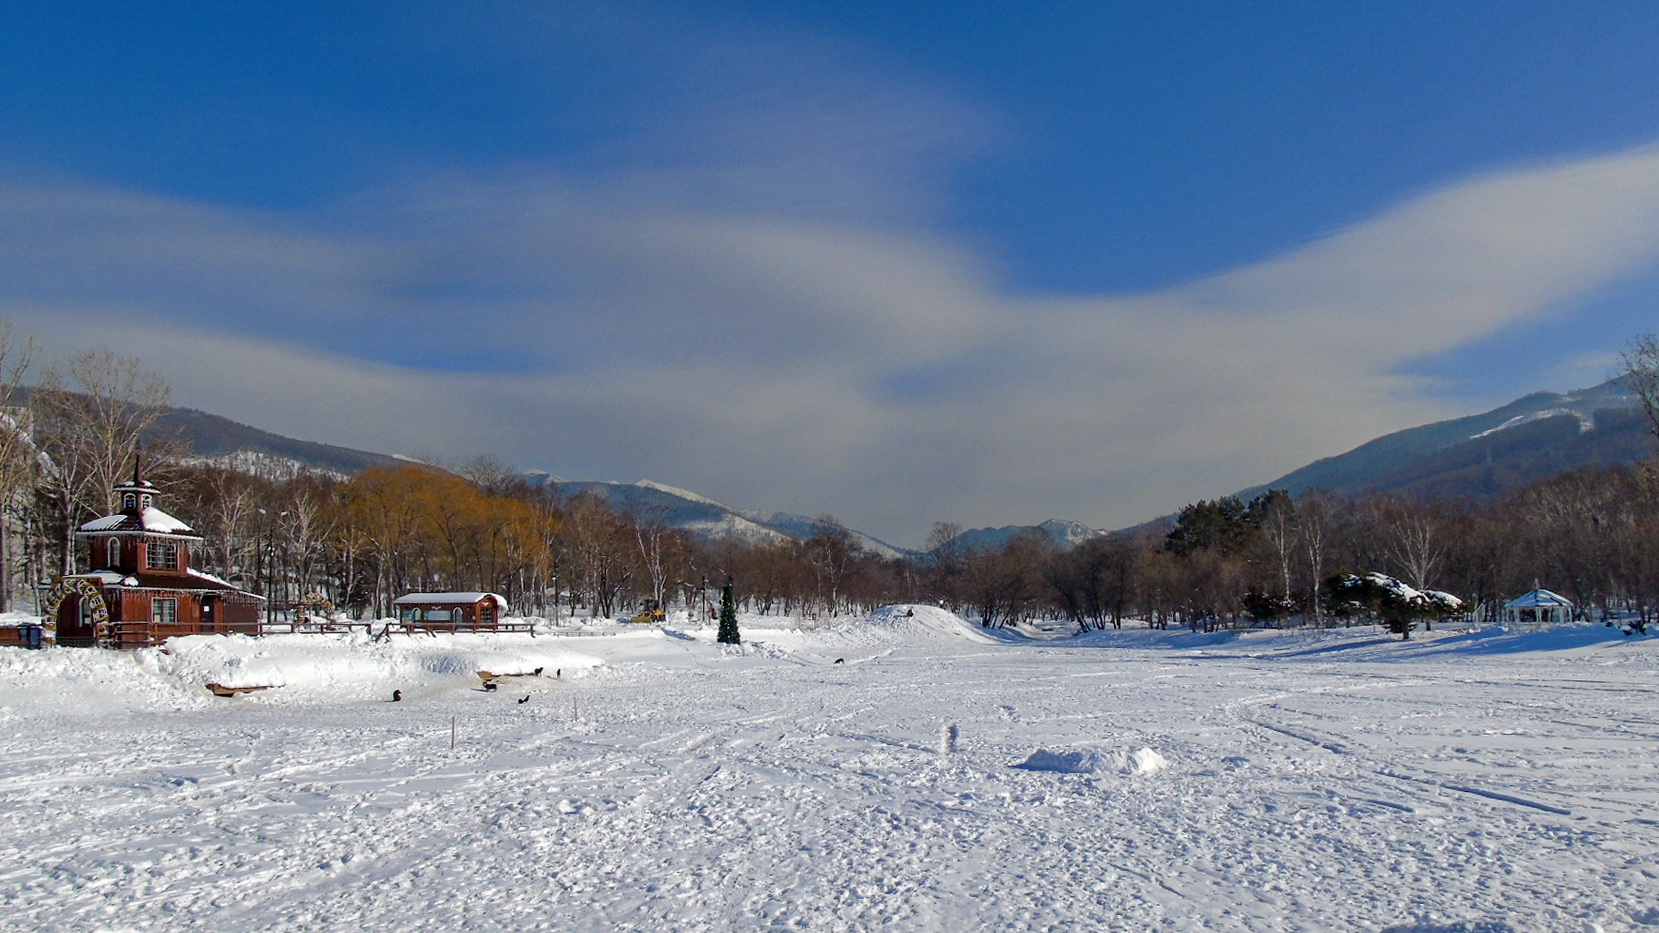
point(75, 622)
point(210, 613)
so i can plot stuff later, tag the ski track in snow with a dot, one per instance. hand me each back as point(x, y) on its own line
point(686, 787)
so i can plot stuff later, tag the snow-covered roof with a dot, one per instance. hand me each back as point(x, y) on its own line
point(106, 577)
point(152, 520)
point(1540, 599)
point(447, 598)
point(193, 581)
point(204, 575)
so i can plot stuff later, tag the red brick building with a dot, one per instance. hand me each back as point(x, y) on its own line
point(451, 612)
point(145, 590)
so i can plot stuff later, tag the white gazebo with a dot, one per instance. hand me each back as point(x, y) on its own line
point(1537, 609)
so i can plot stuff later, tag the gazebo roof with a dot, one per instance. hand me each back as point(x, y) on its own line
point(1540, 599)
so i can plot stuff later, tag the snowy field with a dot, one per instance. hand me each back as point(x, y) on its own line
point(1125, 781)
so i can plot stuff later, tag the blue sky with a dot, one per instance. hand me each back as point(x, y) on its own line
point(897, 261)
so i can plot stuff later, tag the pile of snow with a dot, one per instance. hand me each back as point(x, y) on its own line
point(1142, 760)
point(927, 623)
point(355, 665)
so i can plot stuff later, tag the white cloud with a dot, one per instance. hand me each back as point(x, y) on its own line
point(754, 357)
point(750, 297)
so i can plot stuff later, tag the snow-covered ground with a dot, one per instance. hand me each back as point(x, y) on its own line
point(1124, 781)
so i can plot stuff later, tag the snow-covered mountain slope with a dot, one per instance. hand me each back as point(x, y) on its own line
point(1065, 534)
point(222, 442)
point(707, 518)
point(1483, 455)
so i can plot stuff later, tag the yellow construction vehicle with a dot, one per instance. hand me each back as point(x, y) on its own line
point(650, 612)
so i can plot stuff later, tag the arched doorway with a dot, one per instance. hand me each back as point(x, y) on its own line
point(80, 610)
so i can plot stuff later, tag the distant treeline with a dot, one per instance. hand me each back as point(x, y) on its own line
point(357, 543)
point(1273, 561)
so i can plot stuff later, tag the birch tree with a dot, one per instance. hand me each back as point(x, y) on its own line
point(90, 419)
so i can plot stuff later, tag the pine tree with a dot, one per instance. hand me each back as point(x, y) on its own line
point(727, 635)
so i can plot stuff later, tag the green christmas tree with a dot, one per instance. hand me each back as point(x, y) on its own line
point(728, 617)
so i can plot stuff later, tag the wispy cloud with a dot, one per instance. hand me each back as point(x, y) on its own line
point(767, 313)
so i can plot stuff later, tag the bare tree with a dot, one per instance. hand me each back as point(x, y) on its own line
point(18, 462)
point(1315, 531)
point(599, 546)
point(945, 551)
point(1641, 374)
point(832, 555)
point(89, 430)
point(1413, 536)
point(656, 544)
point(1281, 530)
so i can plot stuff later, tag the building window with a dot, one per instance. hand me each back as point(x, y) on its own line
point(163, 555)
point(113, 557)
point(129, 503)
point(164, 611)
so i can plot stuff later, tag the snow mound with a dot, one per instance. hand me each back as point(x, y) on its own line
point(1062, 762)
point(1140, 761)
point(1144, 761)
point(927, 623)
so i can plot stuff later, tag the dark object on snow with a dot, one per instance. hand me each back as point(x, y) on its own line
point(559, 673)
point(490, 686)
point(538, 671)
point(28, 635)
point(220, 690)
point(910, 613)
point(840, 660)
point(525, 700)
point(397, 696)
point(727, 633)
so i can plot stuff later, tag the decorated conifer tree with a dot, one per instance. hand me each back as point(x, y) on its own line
point(727, 634)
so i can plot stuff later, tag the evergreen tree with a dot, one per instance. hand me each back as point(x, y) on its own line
point(727, 635)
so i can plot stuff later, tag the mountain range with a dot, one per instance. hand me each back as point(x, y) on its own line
point(1481, 456)
point(1475, 457)
point(706, 518)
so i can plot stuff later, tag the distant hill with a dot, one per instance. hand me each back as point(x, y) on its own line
point(1065, 534)
point(1481, 456)
point(706, 518)
point(220, 440)
point(1474, 457)
point(216, 438)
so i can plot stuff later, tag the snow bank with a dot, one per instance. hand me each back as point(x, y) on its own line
point(1140, 761)
point(927, 623)
point(75, 683)
point(852, 639)
point(353, 666)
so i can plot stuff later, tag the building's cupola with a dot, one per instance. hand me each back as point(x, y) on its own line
point(140, 493)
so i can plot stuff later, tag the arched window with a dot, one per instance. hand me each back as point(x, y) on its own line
point(113, 557)
point(129, 502)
